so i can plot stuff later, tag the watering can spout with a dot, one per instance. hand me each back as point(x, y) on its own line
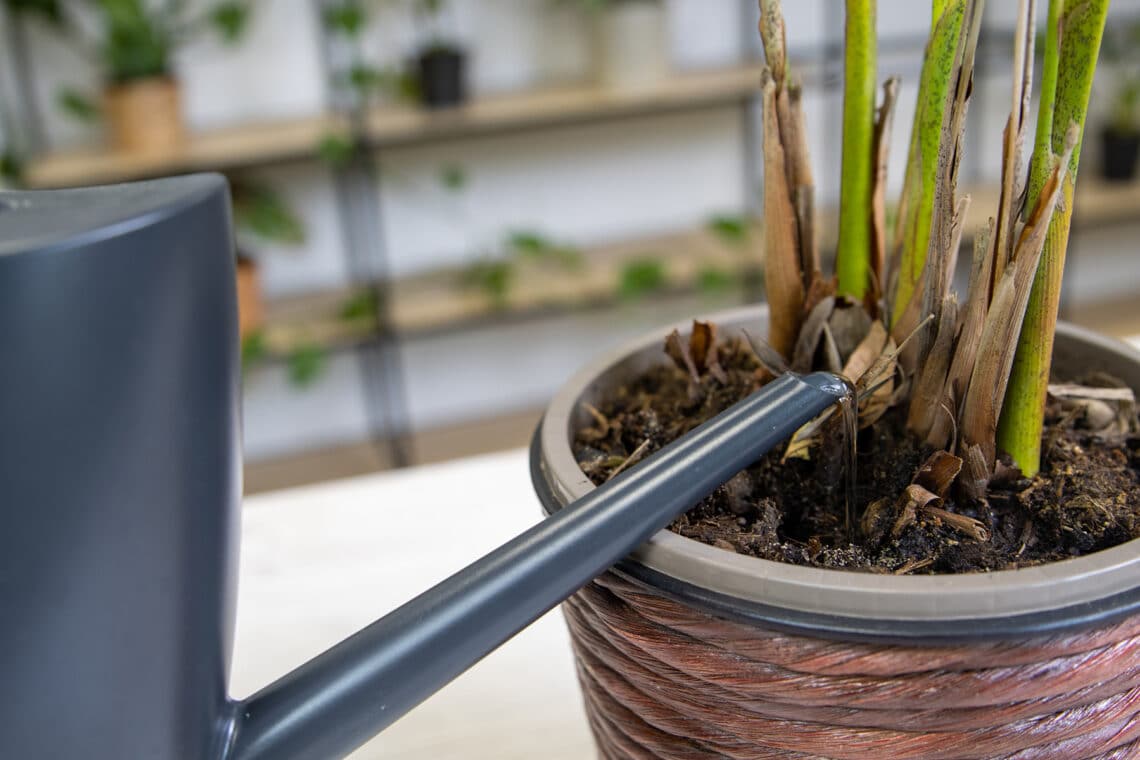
point(338, 700)
point(120, 468)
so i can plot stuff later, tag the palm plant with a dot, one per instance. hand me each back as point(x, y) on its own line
point(972, 375)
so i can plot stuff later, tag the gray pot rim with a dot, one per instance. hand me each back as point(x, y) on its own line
point(1071, 593)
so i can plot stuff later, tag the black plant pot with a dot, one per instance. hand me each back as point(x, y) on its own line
point(1120, 151)
point(443, 77)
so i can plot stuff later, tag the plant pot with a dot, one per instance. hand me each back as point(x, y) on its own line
point(688, 651)
point(251, 309)
point(633, 44)
point(1120, 151)
point(145, 115)
point(443, 77)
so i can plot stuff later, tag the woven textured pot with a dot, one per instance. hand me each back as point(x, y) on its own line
point(688, 651)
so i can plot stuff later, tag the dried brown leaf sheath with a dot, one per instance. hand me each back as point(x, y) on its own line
point(982, 405)
point(783, 278)
point(1013, 138)
point(881, 142)
point(926, 402)
point(973, 318)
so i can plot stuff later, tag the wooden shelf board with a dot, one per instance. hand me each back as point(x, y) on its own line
point(558, 105)
point(432, 303)
point(207, 151)
point(254, 144)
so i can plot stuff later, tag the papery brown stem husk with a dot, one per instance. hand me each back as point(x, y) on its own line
point(783, 277)
point(982, 405)
point(881, 142)
point(1013, 139)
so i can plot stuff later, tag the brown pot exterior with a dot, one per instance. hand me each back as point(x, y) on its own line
point(145, 116)
point(251, 313)
point(664, 678)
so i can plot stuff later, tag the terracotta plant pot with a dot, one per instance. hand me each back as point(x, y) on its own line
point(145, 115)
point(251, 313)
point(688, 651)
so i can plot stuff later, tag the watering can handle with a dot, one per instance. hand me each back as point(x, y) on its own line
point(377, 675)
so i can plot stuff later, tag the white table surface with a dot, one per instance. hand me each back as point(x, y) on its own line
point(320, 562)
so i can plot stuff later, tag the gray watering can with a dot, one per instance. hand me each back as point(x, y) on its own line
point(120, 486)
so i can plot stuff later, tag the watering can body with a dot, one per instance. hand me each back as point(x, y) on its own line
point(120, 485)
point(119, 470)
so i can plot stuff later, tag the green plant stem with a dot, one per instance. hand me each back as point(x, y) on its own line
point(1042, 160)
point(937, 8)
point(917, 203)
point(1071, 49)
point(854, 256)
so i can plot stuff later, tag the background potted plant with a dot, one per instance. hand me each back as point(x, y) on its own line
point(133, 44)
point(1120, 137)
point(693, 649)
point(632, 42)
point(441, 65)
point(261, 216)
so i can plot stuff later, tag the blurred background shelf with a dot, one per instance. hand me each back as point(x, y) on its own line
point(219, 150)
point(397, 125)
point(660, 267)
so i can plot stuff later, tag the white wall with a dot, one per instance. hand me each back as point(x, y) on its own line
point(584, 184)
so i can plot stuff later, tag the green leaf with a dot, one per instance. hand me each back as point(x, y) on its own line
point(305, 364)
point(78, 106)
point(11, 168)
point(713, 280)
point(253, 349)
point(453, 177)
point(230, 20)
point(138, 42)
point(640, 277)
point(528, 244)
point(335, 150)
point(360, 306)
point(533, 246)
point(262, 212)
point(493, 277)
point(368, 80)
point(348, 18)
point(730, 229)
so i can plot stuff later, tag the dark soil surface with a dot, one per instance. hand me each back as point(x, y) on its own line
point(1086, 498)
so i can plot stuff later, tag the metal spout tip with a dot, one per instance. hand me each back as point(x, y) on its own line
point(828, 383)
